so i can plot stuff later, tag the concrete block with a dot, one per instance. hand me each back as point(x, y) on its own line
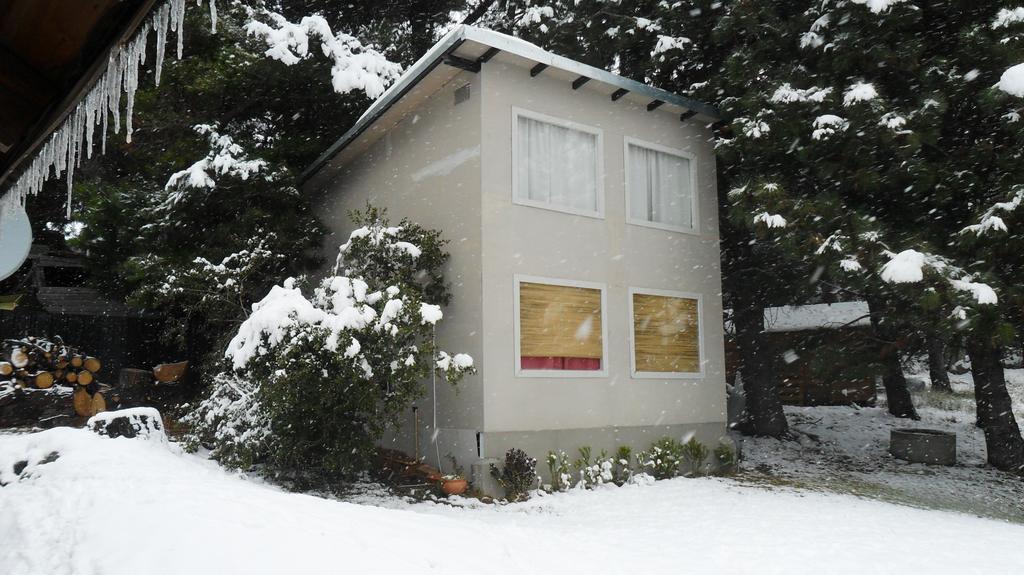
point(481, 480)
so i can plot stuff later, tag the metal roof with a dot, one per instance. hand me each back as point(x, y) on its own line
point(443, 52)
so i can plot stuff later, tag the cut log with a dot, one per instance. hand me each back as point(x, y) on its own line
point(99, 405)
point(19, 358)
point(44, 380)
point(92, 364)
point(77, 361)
point(170, 372)
point(85, 377)
point(82, 402)
point(71, 377)
point(6, 368)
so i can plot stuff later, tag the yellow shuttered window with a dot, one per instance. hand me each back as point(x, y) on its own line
point(559, 327)
point(666, 335)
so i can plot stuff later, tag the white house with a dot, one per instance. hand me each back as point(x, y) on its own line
point(581, 210)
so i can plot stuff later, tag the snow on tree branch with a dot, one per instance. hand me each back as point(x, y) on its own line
point(878, 6)
point(356, 66)
point(1008, 17)
point(770, 220)
point(828, 125)
point(990, 221)
point(535, 15)
point(909, 266)
point(787, 94)
point(859, 92)
point(224, 158)
point(1012, 81)
point(667, 43)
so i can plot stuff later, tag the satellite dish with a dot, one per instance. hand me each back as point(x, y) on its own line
point(15, 241)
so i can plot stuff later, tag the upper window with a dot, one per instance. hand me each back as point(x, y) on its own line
point(556, 165)
point(666, 333)
point(559, 328)
point(660, 187)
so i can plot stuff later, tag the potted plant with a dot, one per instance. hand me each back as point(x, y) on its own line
point(454, 483)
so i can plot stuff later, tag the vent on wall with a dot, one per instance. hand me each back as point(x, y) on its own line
point(461, 94)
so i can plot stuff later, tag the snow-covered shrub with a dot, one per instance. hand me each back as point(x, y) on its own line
point(593, 473)
point(233, 420)
point(517, 475)
point(694, 453)
point(558, 467)
point(316, 376)
point(662, 459)
point(623, 470)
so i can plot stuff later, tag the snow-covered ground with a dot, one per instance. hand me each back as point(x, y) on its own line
point(845, 449)
point(130, 506)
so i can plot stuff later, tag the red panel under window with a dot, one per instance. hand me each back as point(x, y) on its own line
point(561, 363)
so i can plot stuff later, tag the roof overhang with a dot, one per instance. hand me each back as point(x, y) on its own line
point(51, 52)
point(467, 48)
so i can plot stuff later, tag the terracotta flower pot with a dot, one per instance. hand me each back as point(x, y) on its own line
point(454, 486)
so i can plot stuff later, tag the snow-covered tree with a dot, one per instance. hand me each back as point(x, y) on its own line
point(315, 378)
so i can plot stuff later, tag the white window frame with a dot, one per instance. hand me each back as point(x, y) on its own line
point(702, 360)
point(695, 199)
point(557, 373)
point(520, 112)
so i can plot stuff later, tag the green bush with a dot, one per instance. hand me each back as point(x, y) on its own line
point(622, 471)
point(662, 459)
point(518, 474)
point(725, 457)
point(694, 454)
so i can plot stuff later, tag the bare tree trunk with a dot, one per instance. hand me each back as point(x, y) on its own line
point(897, 396)
point(1003, 441)
point(763, 414)
point(937, 363)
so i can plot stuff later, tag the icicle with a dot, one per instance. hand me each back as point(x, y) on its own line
point(75, 136)
point(160, 23)
point(178, 22)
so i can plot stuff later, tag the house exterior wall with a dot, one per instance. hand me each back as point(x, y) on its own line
point(449, 167)
point(561, 412)
point(427, 168)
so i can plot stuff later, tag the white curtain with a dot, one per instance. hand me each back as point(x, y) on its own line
point(660, 188)
point(556, 165)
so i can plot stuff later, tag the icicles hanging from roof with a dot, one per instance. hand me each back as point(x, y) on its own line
point(63, 151)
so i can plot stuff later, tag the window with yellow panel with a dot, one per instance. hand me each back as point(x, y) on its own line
point(559, 328)
point(666, 333)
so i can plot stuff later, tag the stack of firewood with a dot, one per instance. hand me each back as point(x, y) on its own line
point(40, 363)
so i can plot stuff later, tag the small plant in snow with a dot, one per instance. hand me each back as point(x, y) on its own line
point(725, 457)
point(517, 475)
point(662, 459)
point(593, 473)
point(622, 470)
point(558, 467)
point(694, 453)
point(458, 472)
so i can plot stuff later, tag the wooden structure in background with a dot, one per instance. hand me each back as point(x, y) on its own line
point(824, 354)
point(57, 300)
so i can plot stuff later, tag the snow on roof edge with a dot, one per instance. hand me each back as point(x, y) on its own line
point(450, 42)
